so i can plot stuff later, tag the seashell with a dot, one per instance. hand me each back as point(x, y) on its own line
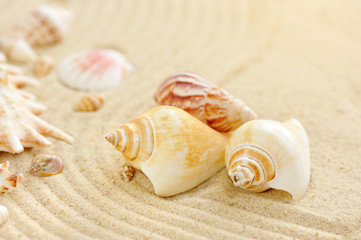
point(4, 214)
point(264, 154)
point(8, 181)
point(127, 173)
point(205, 101)
point(3, 58)
point(11, 69)
point(17, 49)
point(15, 76)
point(98, 69)
point(20, 81)
point(172, 148)
point(42, 26)
point(89, 103)
point(43, 66)
point(19, 127)
point(45, 165)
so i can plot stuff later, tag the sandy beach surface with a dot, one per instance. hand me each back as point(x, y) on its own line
point(285, 59)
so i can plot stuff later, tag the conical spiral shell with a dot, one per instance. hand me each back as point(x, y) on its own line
point(43, 66)
point(205, 101)
point(17, 49)
point(89, 103)
point(175, 150)
point(265, 154)
point(42, 26)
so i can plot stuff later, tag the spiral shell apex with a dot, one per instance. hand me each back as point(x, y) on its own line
point(172, 148)
point(265, 154)
point(205, 101)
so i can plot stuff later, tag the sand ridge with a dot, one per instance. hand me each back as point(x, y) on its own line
point(282, 58)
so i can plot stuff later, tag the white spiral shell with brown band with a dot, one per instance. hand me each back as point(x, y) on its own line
point(265, 154)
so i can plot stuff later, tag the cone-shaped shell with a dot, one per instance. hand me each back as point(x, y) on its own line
point(42, 26)
point(8, 181)
point(172, 148)
point(17, 49)
point(89, 103)
point(204, 100)
point(43, 66)
point(264, 154)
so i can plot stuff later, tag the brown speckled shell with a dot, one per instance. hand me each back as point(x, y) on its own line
point(89, 103)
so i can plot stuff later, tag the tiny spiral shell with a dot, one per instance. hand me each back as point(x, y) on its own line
point(89, 103)
point(44, 165)
point(205, 101)
point(4, 214)
point(43, 66)
point(127, 173)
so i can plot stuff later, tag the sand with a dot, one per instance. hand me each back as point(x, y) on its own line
point(283, 58)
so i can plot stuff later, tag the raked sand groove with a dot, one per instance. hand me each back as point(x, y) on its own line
point(283, 58)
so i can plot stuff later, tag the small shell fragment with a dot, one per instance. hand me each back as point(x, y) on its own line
point(89, 103)
point(2, 58)
point(8, 181)
point(45, 165)
point(4, 214)
point(94, 70)
point(43, 66)
point(127, 173)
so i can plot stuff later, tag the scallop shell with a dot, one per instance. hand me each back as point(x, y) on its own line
point(264, 154)
point(17, 49)
point(89, 103)
point(8, 181)
point(19, 127)
point(98, 69)
point(4, 214)
point(43, 66)
point(45, 165)
point(172, 148)
point(42, 26)
point(205, 101)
